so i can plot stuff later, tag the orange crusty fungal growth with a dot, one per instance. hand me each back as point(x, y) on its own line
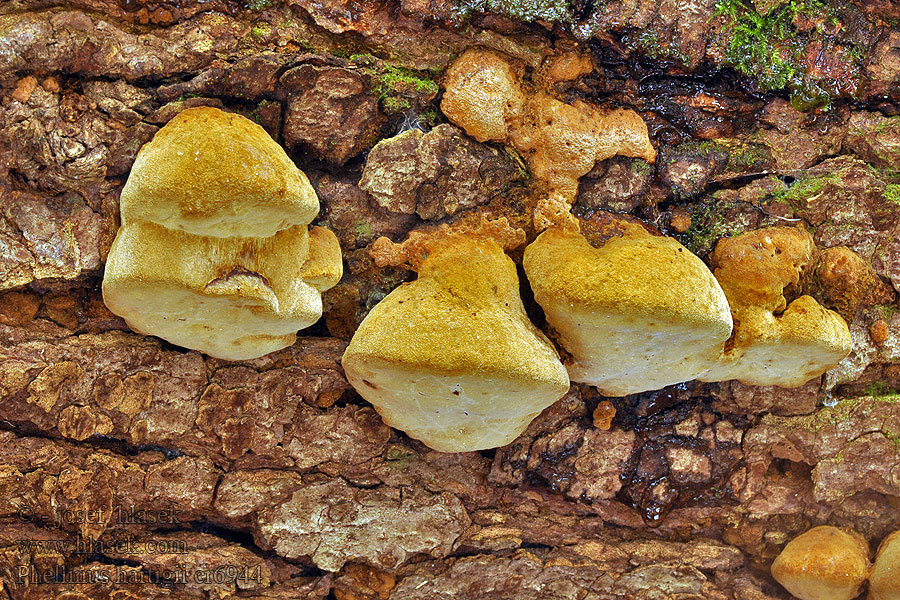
point(825, 563)
point(416, 247)
point(560, 142)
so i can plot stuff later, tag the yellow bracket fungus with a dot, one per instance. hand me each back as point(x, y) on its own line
point(451, 358)
point(884, 581)
point(213, 253)
point(641, 312)
point(774, 343)
point(638, 313)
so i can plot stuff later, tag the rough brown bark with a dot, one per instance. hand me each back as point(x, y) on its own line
point(130, 468)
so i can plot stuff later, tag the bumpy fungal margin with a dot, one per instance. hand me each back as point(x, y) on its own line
point(451, 358)
point(560, 142)
point(416, 247)
point(825, 563)
point(638, 313)
point(884, 581)
point(213, 253)
point(774, 343)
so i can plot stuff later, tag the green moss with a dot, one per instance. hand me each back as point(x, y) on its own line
point(393, 104)
point(892, 192)
point(395, 86)
point(892, 437)
point(640, 166)
point(881, 390)
point(888, 311)
point(741, 155)
point(771, 49)
point(397, 78)
point(260, 31)
point(805, 189)
point(708, 225)
point(362, 228)
point(398, 453)
point(837, 414)
point(187, 96)
point(649, 43)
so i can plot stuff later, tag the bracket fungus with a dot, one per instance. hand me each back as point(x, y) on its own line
point(560, 142)
point(825, 563)
point(638, 313)
point(884, 581)
point(774, 343)
point(451, 358)
point(214, 253)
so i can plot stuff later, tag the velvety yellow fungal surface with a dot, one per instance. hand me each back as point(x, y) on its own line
point(213, 253)
point(451, 358)
point(638, 313)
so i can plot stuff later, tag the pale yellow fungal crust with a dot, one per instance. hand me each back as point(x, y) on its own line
point(825, 563)
point(774, 343)
point(451, 358)
point(208, 264)
point(560, 142)
point(638, 313)
point(884, 581)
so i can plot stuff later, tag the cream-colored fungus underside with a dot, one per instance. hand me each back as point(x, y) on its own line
point(449, 412)
point(233, 298)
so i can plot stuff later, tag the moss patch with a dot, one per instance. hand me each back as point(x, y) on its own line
point(770, 47)
point(260, 31)
point(398, 88)
point(882, 391)
point(804, 189)
point(837, 414)
point(362, 228)
point(708, 225)
point(649, 43)
point(892, 192)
